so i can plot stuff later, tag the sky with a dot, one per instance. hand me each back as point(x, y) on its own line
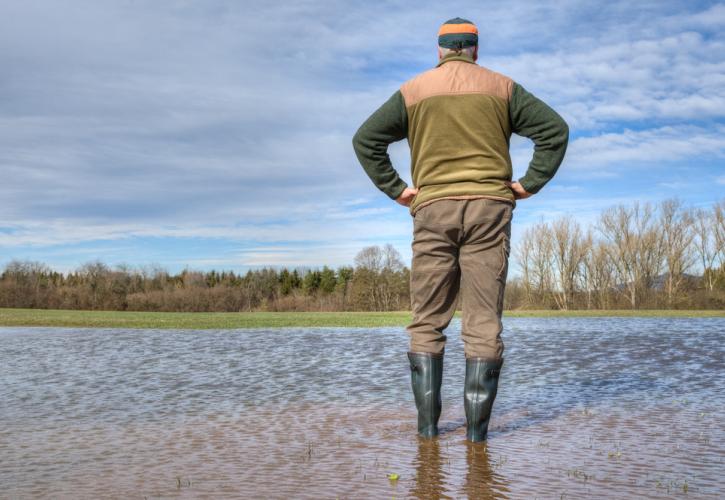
point(217, 134)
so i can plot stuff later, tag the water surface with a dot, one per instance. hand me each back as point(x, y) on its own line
point(587, 407)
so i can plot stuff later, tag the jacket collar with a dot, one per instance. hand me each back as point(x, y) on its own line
point(455, 57)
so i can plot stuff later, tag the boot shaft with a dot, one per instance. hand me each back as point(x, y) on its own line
point(479, 393)
point(426, 375)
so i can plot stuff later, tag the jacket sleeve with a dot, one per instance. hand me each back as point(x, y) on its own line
point(532, 118)
point(386, 125)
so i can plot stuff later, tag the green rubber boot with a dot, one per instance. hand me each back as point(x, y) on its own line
point(478, 394)
point(426, 375)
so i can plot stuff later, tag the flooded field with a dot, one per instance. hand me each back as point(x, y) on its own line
point(587, 408)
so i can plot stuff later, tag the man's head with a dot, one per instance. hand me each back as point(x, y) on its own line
point(458, 36)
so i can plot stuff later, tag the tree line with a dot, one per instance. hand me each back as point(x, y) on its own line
point(634, 256)
point(377, 282)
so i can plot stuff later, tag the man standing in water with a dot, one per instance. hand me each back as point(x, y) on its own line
point(458, 118)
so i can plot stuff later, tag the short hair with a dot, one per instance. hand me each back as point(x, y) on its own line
point(465, 50)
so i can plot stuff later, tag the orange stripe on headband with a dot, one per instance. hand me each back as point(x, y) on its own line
point(457, 29)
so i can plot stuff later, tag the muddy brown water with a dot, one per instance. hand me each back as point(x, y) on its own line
point(587, 408)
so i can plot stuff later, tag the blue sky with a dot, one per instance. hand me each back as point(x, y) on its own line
point(216, 134)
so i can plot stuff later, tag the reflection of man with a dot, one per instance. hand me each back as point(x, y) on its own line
point(434, 480)
point(458, 118)
point(481, 480)
point(429, 476)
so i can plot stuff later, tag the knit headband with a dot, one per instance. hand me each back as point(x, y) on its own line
point(458, 33)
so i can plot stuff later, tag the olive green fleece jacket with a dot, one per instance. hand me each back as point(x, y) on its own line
point(458, 119)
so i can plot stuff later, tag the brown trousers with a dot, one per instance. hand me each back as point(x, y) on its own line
point(460, 245)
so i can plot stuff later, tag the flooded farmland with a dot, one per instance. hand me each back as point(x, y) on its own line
point(587, 408)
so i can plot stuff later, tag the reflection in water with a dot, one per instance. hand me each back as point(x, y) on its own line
point(587, 408)
point(428, 474)
point(434, 476)
point(481, 481)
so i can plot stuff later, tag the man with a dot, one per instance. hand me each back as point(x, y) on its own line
point(458, 118)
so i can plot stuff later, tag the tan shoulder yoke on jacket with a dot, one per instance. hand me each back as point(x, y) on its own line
point(459, 131)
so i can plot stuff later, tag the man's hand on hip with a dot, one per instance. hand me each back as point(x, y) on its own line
point(519, 192)
point(406, 197)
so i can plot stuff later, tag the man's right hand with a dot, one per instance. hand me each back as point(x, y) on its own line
point(406, 197)
point(519, 192)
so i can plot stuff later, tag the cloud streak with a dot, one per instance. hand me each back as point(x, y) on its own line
point(191, 121)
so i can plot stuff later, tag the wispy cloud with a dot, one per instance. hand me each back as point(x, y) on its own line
point(189, 122)
point(651, 146)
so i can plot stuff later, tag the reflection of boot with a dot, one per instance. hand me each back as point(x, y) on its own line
point(426, 375)
point(429, 478)
point(480, 479)
point(478, 395)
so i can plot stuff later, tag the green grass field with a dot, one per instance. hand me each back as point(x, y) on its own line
point(116, 319)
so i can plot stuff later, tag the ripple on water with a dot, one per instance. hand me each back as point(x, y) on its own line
point(587, 407)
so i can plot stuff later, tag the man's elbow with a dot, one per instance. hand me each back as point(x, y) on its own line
point(564, 127)
point(358, 141)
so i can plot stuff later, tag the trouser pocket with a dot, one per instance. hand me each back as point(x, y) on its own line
point(501, 278)
point(504, 251)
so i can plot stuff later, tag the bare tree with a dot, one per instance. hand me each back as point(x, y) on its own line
point(379, 281)
point(600, 272)
point(542, 257)
point(719, 212)
point(524, 255)
point(391, 258)
point(635, 247)
point(29, 279)
point(389, 280)
point(651, 250)
point(568, 249)
point(706, 244)
point(370, 258)
point(96, 275)
point(676, 225)
point(584, 276)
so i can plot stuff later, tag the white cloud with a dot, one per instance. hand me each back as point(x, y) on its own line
point(652, 146)
point(674, 77)
point(193, 120)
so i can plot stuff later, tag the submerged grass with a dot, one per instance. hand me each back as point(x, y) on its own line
point(164, 320)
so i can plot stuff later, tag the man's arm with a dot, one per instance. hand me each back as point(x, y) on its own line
point(532, 118)
point(387, 124)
